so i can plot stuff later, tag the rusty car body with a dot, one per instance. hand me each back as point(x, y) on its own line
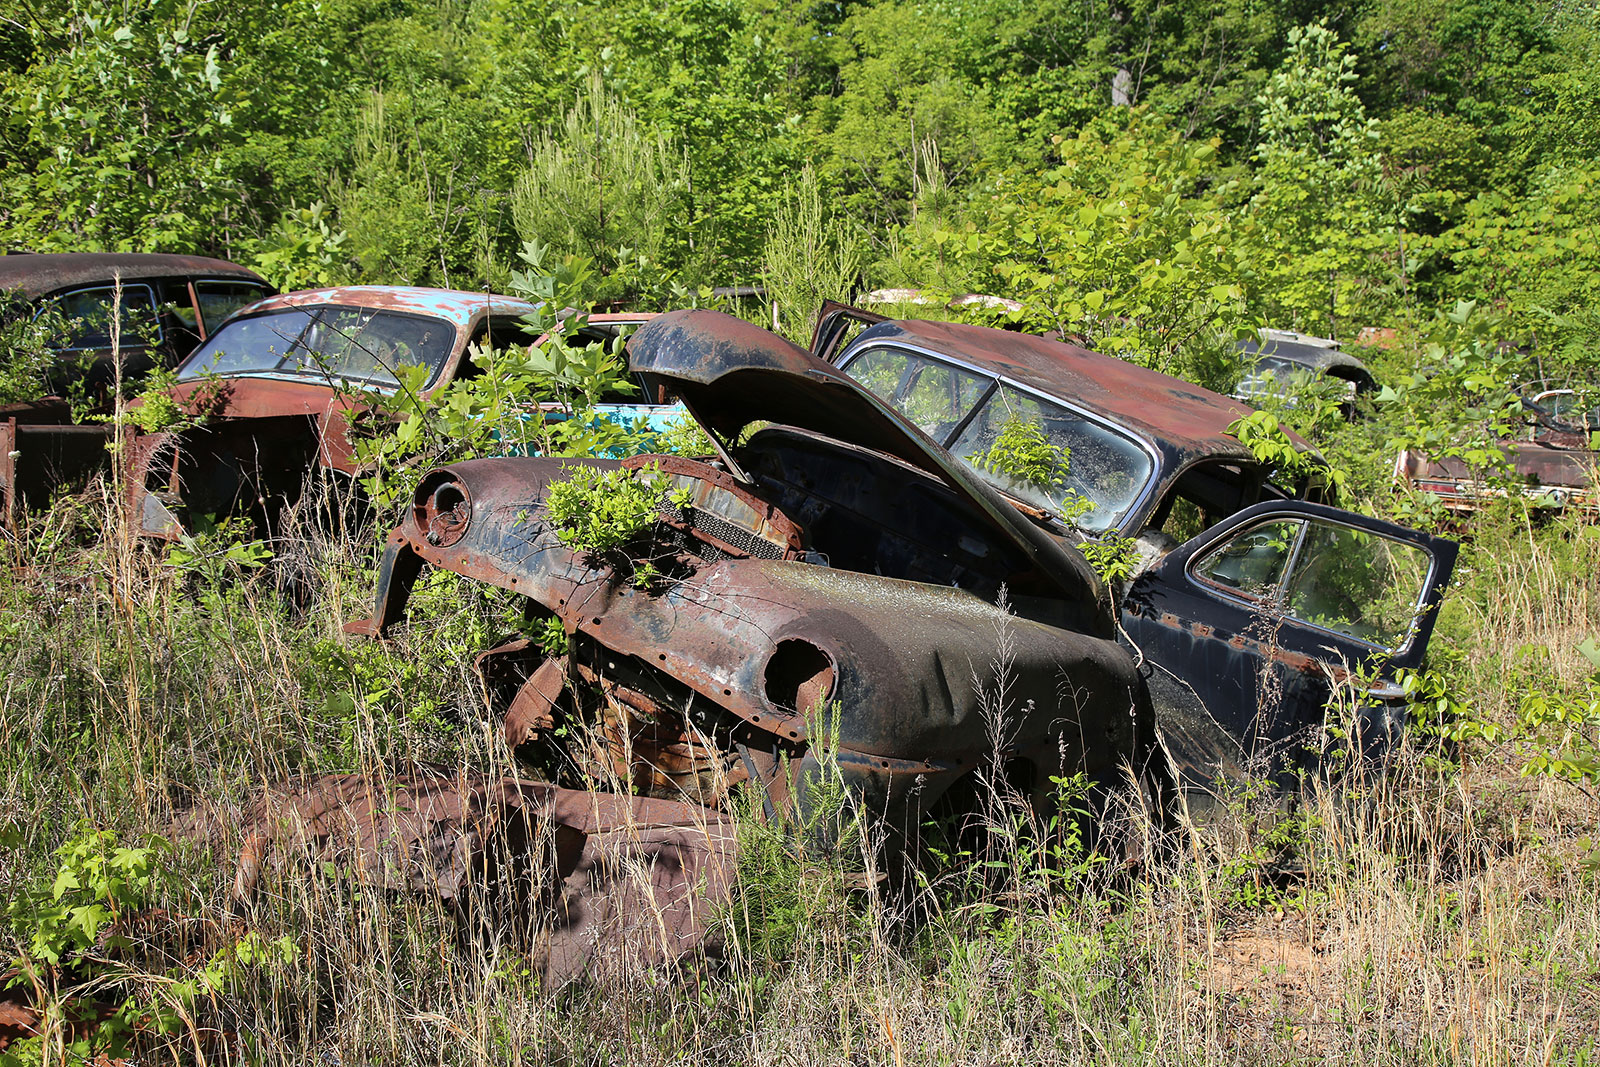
point(168, 304)
point(1554, 465)
point(279, 385)
point(1271, 609)
point(834, 594)
point(842, 556)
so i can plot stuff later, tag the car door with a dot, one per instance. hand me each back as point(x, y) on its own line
point(1245, 630)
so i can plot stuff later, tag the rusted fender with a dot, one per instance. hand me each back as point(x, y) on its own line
point(606, 881)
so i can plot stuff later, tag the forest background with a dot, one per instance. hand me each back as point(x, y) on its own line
point(1130, 170)
point(1159, 178)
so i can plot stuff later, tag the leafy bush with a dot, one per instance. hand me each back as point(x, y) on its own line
point(604, 510)
point(1127, 244)
point(523, 401)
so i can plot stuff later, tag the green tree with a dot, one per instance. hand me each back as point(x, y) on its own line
point(604, 187)
point(1538, 258)
point(809, 257)
point(116, 131)
point(1324, 217)
point(1127, 244)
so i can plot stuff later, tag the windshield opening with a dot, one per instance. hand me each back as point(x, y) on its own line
point(1038, 451)
point(1054, 458)
point(351, 344)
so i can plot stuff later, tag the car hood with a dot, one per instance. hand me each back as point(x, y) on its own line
point(731, 373)
point(1312, 357)
point(258, 397)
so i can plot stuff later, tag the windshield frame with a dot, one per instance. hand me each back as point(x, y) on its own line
point(314, 315)
point(1137, 504)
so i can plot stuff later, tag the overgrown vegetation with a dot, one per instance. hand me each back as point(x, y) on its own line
point(1155, 179)
point(1443, 910)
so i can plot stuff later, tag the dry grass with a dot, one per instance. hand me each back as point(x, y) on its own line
point(1428, 916)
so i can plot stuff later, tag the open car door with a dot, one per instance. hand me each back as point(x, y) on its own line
point(1248, 629)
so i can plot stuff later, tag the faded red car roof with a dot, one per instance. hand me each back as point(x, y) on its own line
point(1185, 417)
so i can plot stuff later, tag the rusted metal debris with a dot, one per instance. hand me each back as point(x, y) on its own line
point(605, 880)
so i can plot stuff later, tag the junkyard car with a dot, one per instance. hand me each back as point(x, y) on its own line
point(280, 382)
point(1573, 406)
point(841, 558)
point(1245, 631)
point(1280, 358)
point(168, 304)
point(1554, 465)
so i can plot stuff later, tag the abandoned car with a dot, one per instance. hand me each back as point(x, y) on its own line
point(167, 304)
point(1246, 630)
point(1553, 465)
point(1279, 359)
point(834, 568)
point(835, 571)
point(277, 386)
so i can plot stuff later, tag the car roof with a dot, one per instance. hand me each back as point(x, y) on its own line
point(453, 305)
point(35, 274)
point(1317, 357)
point(1186, 420)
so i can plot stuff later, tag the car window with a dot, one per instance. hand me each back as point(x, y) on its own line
point(175, 301)
point(349, 343)
point(88, 314)
point(1253, 562)
point(1055, 458)
point(496, 332)
point(255, 344)
point(1357, 583)
point(1340, 578)
point(219, 299)
point(934, 396)
point(368, 346)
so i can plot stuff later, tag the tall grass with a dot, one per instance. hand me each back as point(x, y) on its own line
point(1427, 915)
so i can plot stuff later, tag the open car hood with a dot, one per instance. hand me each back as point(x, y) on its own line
point(731, 373)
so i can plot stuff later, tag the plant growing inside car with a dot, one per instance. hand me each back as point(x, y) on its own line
point(497, 410)
point(1264, 435)
point(1023, 451)
point(27, 347)
point(1113, 558)
point(604, 512)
